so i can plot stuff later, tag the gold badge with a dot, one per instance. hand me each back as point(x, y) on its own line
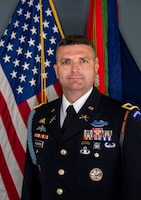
point(96, 174)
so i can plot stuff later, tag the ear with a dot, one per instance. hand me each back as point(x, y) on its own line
point(55, 69)
point(96, 65)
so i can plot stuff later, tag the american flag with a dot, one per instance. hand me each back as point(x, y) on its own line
point(20, 84)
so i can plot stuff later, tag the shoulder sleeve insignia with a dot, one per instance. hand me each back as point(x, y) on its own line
point(129, 106)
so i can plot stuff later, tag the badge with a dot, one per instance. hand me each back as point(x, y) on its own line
point(99, 123)
point(85, 151)
point(109, 145)
point(96, 174)
point(96, 145)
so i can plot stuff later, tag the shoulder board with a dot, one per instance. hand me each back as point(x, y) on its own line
point(129, 106)
point(37, 106)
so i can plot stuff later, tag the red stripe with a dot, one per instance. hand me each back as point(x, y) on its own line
point(11, 134)
point(58, 89)
point(7, 179)
point(100, 45)
point(24, 110)
point(90, 24)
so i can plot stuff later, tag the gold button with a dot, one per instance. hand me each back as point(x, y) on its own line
point(63, 152)
point(61, 172)
point(59, 191)
point(96, 155)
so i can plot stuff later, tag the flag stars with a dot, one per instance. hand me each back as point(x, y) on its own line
point(22, 39)
point(33, 30)
point(46, 24)
point(44, 35)
point(36, 19)
point(25, 27)
point(35, 70)
point(52, 40)
point(31, 42)
point(27, 15)
point(6, 58)
point(47, 63)
point(39, 47)
point(48, 12)
point(44, 75)
point(5, 32)
point(22, 78)
point(20, 11)
point(55, 29)
point(50, 51)
point(32, 82)
point(16, 24)
point(13, 35)
point(28, 54)
point(9, 47)
point(13, 74)
point(30, 3)
point(38, 7)
point(19, 51)
point(37, 58)
point(16, 62)
point(25, 66)
point(1, 43)
point(19, 90)
point(23, 1)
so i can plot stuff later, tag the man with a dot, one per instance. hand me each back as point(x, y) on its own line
point(97, 155)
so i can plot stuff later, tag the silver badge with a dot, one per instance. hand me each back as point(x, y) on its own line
point(85, 150)
point(109, 145)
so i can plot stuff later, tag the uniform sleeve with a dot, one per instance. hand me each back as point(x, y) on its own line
point(132, 157)
point(31, 188)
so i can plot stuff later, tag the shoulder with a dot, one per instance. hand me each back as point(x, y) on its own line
point(48, 105)
point(133, 110)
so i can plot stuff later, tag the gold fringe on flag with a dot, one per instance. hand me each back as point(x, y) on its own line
point(43, 73)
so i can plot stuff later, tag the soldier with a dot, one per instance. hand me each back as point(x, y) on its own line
point(97, 154)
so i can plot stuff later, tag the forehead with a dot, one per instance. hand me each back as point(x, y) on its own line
point(75, 49)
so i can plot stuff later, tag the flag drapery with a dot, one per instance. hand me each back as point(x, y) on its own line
point(27, 55)
point(103, 31)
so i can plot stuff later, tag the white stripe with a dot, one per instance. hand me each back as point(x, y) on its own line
point(51, 93)
point(33, 101)
point(3, 193)
point(13, 110)
point(12, 164)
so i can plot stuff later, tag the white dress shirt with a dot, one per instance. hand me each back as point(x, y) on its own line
point(77, 105)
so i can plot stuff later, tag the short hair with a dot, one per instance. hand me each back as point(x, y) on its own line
point(75, 39)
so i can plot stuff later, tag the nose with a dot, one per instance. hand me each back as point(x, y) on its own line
point(75, 66)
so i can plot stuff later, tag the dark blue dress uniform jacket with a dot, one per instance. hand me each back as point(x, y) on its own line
point(87, 161)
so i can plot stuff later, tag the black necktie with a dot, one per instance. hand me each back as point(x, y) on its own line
point(70, 114)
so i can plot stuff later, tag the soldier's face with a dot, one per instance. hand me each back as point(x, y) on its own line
point(76, 67)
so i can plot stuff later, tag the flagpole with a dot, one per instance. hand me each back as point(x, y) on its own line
point(43, 74)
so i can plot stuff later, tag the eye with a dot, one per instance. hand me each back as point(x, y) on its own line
point(65, 61)
point(83, 60)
